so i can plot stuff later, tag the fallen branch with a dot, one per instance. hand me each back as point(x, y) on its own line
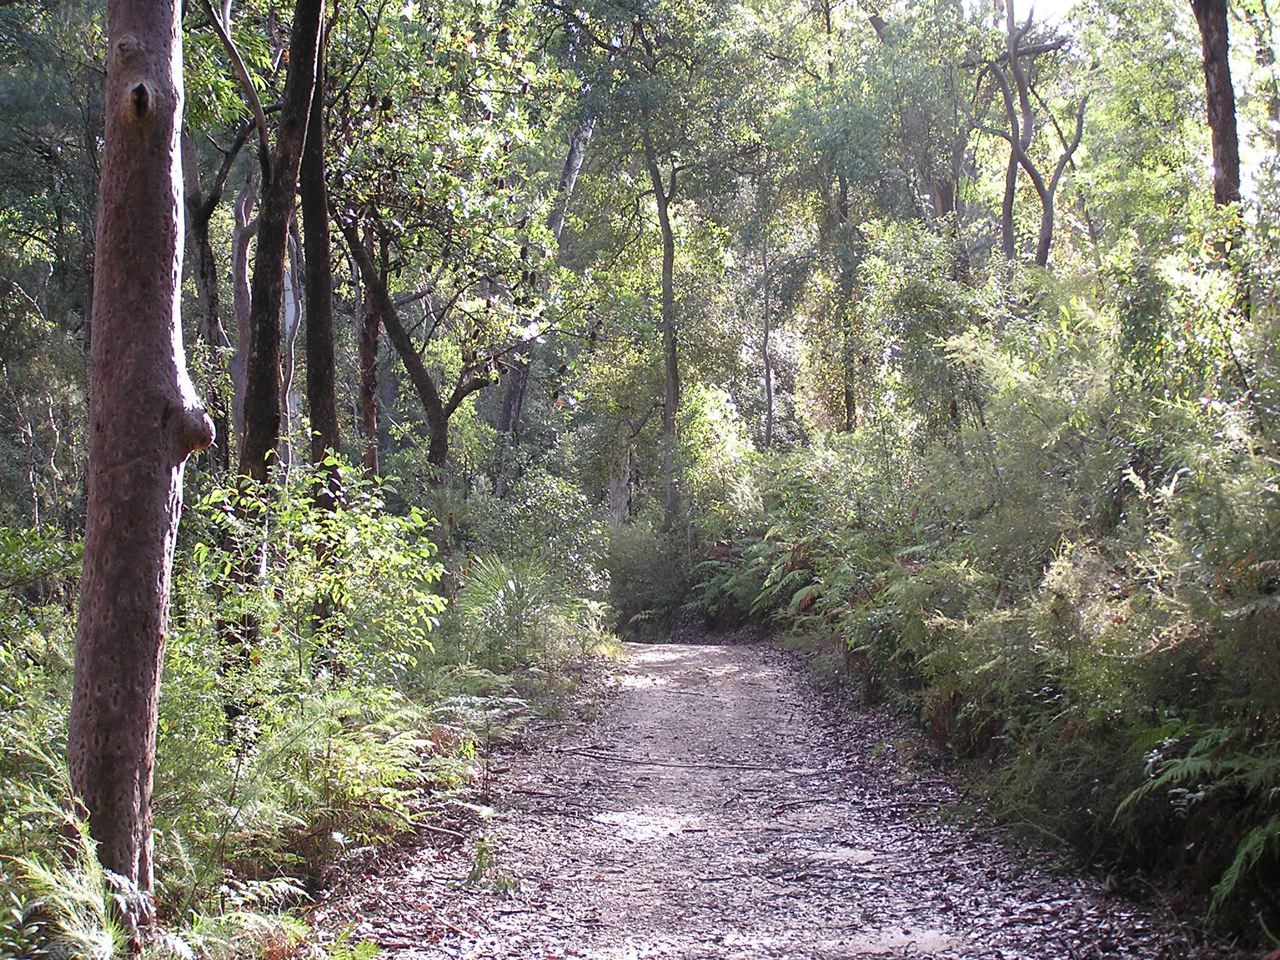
point(444, 831)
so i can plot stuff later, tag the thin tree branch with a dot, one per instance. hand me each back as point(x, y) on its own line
point(223, 30)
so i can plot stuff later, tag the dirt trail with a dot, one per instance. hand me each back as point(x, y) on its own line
point(709, 813)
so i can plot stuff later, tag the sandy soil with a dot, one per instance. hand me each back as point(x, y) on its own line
point(711, 812)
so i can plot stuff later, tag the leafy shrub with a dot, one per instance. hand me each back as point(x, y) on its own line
point(276, 748)
point(546, 520)
point(648, 575)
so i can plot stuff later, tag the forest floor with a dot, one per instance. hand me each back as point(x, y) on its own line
point(714, 809)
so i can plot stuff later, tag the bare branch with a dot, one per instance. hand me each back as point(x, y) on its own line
point(1069, 149)
point(223, 30)
point(1029, 51)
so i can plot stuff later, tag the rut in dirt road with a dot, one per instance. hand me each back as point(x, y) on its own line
point(709, 813)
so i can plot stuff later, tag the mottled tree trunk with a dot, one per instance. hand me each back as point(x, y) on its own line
point(263, 376)
point(620, 489)
point(1211, 17)
point(246, 225)
point(765, 355)
point(144, 421)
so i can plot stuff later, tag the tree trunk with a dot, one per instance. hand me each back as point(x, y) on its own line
point(764, 346)
point(1211, 17)
point(1044, 240)
point(518, 369)
point(849, 381)
point(377, 297)
point(942, 196)
point(1021, 118)
point(262, 380)
point(1021, 122)
point(322, 395)
point(663, 194)
point(578, 143)
point(1008, 240)
point(292, 322)
point(144, 421)
point(209, 328)
point(370, 333)
point(246, 225)
point(620, 489)
point(388, 395)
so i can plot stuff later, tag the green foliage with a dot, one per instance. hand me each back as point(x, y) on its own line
point(648, 575)
point(372, 572)
point(1034, 507)
point(1074, 560)
point(302, 710)
point(544, 519)
point(1225, 775)
point(510, 611)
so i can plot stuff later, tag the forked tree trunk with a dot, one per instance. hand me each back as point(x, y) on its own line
point(262, 380)
point(434, 407)
point(144, 421)
point(437, 407)
point(1211, 17)
point(1021, 118)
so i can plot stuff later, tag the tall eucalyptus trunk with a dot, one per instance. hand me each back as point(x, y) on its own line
point(144, 422)
point(765, 353)
point(246, 226)
point(292, 324)
point(1212, 18)
point(369, 335)
point(322, 396)
point(263, 374)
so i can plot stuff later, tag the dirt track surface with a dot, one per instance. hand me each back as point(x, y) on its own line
point(709, 813)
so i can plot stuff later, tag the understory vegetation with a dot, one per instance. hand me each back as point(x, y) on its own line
point(1072, 584)
point(276, 757)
